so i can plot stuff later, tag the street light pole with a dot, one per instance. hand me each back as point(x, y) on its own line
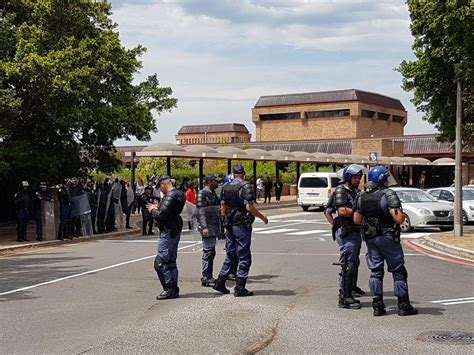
point(458, 232)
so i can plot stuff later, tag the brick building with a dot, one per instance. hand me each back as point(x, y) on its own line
point(224, 133)
point(340, 114)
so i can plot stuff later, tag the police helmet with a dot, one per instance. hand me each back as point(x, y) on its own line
point(228, 178)
point(352, 170)
point(380, 174)
point(24, 184)
point(42, 184)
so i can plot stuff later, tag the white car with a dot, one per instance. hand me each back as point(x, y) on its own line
point(446, 194)
point(423, 211)
point(314, 189)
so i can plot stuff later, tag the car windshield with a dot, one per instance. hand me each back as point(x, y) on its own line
point(314, 182)
point(467, 195)
point(414, 196)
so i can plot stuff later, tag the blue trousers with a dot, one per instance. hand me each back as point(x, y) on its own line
point(386, 248)
point(349, 250)
point(165, 261)
point(238, 248)
point(208, 255)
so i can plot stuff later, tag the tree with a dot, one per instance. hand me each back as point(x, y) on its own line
point(443, 35)
point(67, 91)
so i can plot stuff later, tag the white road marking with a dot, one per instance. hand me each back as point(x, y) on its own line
point(281, 225)
point(305, 239)
point(87, 272)
point(141, 241)
point(314, 231)
point(414, 235)
point(290, 215)
point(454, 300)
point(460, 302)
point(274, 231)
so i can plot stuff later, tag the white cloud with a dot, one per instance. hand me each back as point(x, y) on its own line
point(220, 56)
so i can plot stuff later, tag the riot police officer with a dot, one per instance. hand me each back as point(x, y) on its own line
point(75, 190)
point(104, 200)
point(41, 195)
point(207, 205)
point(347, 234)
point(22, 201)
point(65, 219)
point(222, 220)
point(237, 205)
point(147, 219)
point(170, 223)
point(380, 214)
point(93, 203)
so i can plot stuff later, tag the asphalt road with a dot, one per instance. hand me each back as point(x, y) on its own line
point(99, 297)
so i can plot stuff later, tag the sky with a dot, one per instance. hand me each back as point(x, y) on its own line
point(220, 56)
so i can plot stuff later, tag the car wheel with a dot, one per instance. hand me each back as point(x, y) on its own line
point(446, 229)
point(406, 225)
point(464, 218)
point(305, 208)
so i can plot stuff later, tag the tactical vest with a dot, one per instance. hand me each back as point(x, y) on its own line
point(231, 196)
point(371, 207)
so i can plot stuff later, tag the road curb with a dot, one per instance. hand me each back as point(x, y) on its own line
point(451, 250)
point(49, 243)
point(262, 207)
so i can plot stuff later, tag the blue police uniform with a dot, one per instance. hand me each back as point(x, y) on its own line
point(349, 241)
point(208, 218)
point(382, 237)
point(23, 206)
point(170, 224)
point(236, 195)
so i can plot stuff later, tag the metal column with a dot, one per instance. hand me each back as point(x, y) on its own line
point(201, 173)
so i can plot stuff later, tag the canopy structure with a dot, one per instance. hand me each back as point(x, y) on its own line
point(229, 153)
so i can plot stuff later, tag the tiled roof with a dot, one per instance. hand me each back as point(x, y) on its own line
point(329, 96)
point(213, 128)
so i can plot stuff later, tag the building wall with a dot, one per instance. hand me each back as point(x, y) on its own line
point(383, 147)
point(209, 138)
point(346, 127)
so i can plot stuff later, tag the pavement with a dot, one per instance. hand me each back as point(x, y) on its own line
point(99, 297)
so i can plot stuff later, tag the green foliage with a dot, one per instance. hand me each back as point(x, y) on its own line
point(444, 35)
point(67, 91)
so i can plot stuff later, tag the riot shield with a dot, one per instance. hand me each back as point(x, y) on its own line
point(118, 215)
point(81, 213)
point(47, 220)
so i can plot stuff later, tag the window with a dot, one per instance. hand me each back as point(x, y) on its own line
point(280, 116)
point(334, 182)
point(383, 116)
point(398, 119)
point(368, 113)
point(446, 196)
point(314, 182)
point(328, 113)
point(435, 194)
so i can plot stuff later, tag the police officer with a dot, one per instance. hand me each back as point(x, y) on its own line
point(147, 219)
point(222, 220)
point(207, 205)
point(380, 214)
point(104, 193)
point(75, 189)
point(41, 195)
point(93, 203)
point(22, 201)
point(347, 234)
point(170, 223)
point(65, 223)
point(237, 205)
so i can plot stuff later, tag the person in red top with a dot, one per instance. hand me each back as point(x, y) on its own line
point(191, 194)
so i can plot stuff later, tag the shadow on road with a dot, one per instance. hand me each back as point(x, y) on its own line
point(275, 293)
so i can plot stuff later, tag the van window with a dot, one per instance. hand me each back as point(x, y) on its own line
point(314, 182)
point(335, 181)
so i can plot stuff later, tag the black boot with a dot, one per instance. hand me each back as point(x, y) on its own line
point(406, 309)
point(240, 290)
point(347, 302)
point(220, 285)
point(208, 281)
point(379, 308)
point(349, 275)
point(170, 291)
point(357, 291)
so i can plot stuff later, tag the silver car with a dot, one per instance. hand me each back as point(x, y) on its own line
point(423, 211)
point(446, 194)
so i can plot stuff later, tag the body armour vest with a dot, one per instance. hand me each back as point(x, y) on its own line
point(231, 196)
point(373, 204)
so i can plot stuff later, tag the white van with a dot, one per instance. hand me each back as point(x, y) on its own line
point(314, 189)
